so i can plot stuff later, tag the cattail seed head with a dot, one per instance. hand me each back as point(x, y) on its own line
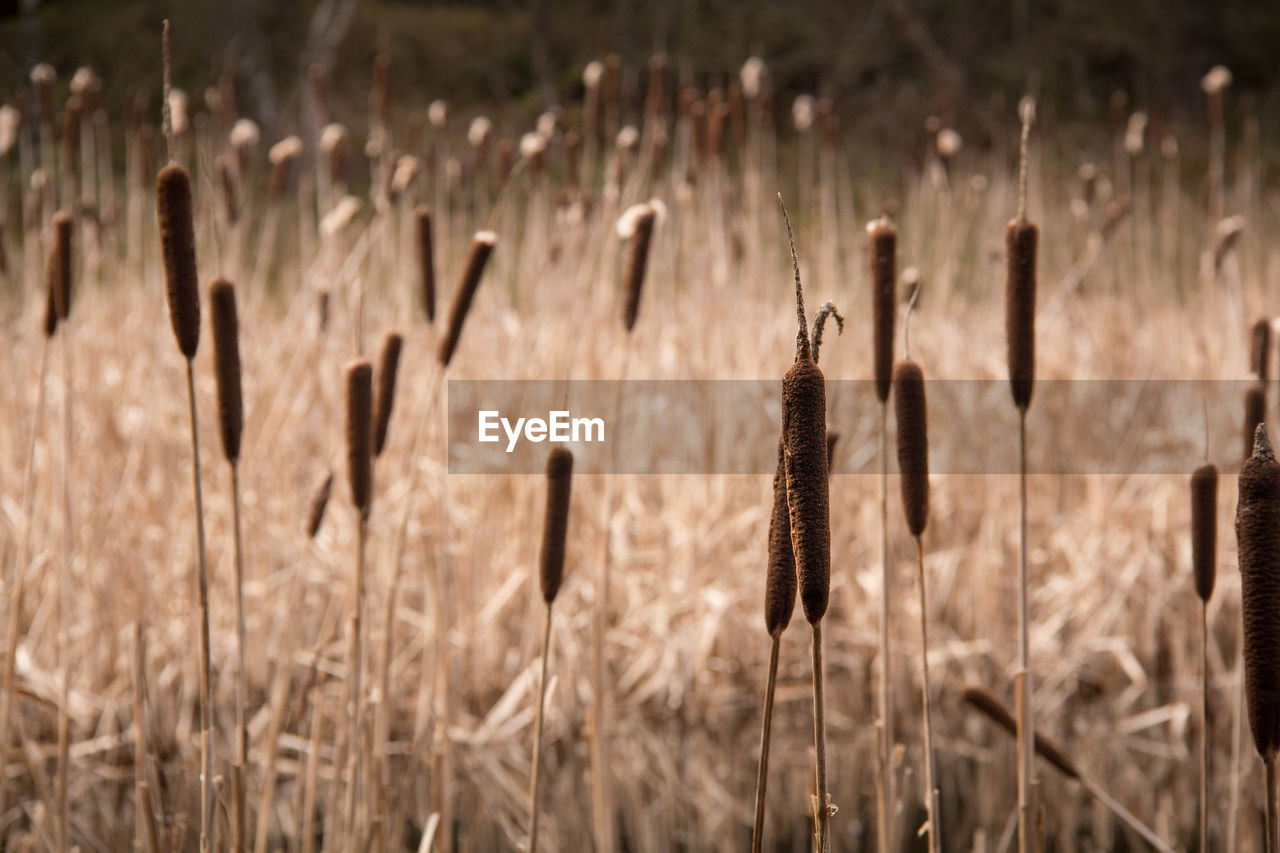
point(556, 523)
point(1260, 348)
point(177, 237)
point(319, 501)
point(913, 443)
point(833, 436)
point(426, 258)
point(59, 269)
point(637, 261)
point(804, 412)
point(1255, 413)
point(780, 583)
point(359, 438)
point(50, 314)
point(388, 363)
point(1021, 239)
point(481, 247)
point(226, 357)
point(884, 277)
point(986, 703)
point(1258, 538)
point(1204, 528)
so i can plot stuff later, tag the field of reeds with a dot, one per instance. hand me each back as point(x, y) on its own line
point(365, 647)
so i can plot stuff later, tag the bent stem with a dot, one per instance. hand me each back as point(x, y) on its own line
point(762, 777)
point(930, 769)
point(1026, 722)
point(535, 773)
point(206, 667)
point(821, 800)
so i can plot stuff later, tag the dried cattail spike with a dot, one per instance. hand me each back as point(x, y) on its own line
point(1260, 348)
point(637, 261)
point(780, 583)
point(59, 269)
point(913, 443)
point(319, 500)
point(1204, 528)
point(388, 363)
point(50, 314)
point(556, 523)
point(359, 439)
point(481, 247)
point(985, 701)
point(426, 258)
point(177, 237)
point(226, 358)
point(884, 278)
point(1258, 538)
point(1255, 412)
point(833, 436)
point(1021, 238)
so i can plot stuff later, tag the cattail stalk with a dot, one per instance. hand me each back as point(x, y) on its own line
point(1204, 524)
point(145, 825)
point(360, 472)
point(426, 260)
point(481, 248)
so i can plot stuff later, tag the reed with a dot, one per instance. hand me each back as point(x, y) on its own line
point(1204, 535)
point(481, 248)
point(144, 815)
point(385, 395)
point(1258, 538)
point(637, 262)
point(360, 474)
point(550, 575)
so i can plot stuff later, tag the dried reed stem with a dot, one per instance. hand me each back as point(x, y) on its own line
point(206, 665)
point(60, 269)
point(239, 775)
point(1204, 520)
point(144, 819)
point(822, 800)
point(1204, 726)
point(766, 728)
point(1026, 720)
point(930, 769)
point(1273, 809)
point(360, 466)
point(536, 771)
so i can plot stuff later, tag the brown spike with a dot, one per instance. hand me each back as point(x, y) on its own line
point(913, 443)
point(1260, 348)
point(804, 408)
point(384, 399)
point(481, 247)
point(319, 501)
point(226, 357)
point(780, 582)
point(1021, 239)
point(986, 702)
point(1258, 538)
point(833, 436)
point(177, 236)
point(59, 268)
point(1204, 528)
point(426, 259)
point(359, 440)
point(884, 278)
point(637, 262)
point(1255, 412)
point(556, 523)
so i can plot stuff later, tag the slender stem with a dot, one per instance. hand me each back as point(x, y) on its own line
point(1026, 721)
point(884, 786)
point(64, 593)
point(145, 826)
point(1204, 726)
point(1273, 807)
point(762, 777)
point(357, 698)
point(821, 805)
point(1237, 735)
point(1126, 816)
point(239, 774)
point(206, 667)
point(535, 773)
point(930, 769)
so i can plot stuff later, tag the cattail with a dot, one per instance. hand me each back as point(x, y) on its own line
point(913, 443)
point(359, 425)
point(319, 501)
point(388, 363)
point(1021, 238)
point(1260, 349)
point(884, 276)
point(177, 236)
point(780, 584)
point(226, 357)
point(986, 702)
point(426, 257)
point(59, 270)
point(637, 260)
point(50, 314)
point(481, 247)
point(1204, 527)
point(551, 557)
point(1258, 536)
point(1255, 412)
point(833, 436)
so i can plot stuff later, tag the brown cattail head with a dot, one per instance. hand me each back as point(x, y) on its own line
point(780, 583)
point(50, 314)
point(637, 261)
point(1255, 412)
point(1258, 539)
point(804, 413)
point(226, 358)
point(59, 269)
point(884, 278)
point(913, 443)
point(481, 247)
point(319, 500)
point(1204, 528)
point(388, 363)
point(833, 436)
point(427, 259)
point(556, 523)
point(1260, 348)
point(177, 237)
point(1021, 238)
point(986, 702)
point(359, 438)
